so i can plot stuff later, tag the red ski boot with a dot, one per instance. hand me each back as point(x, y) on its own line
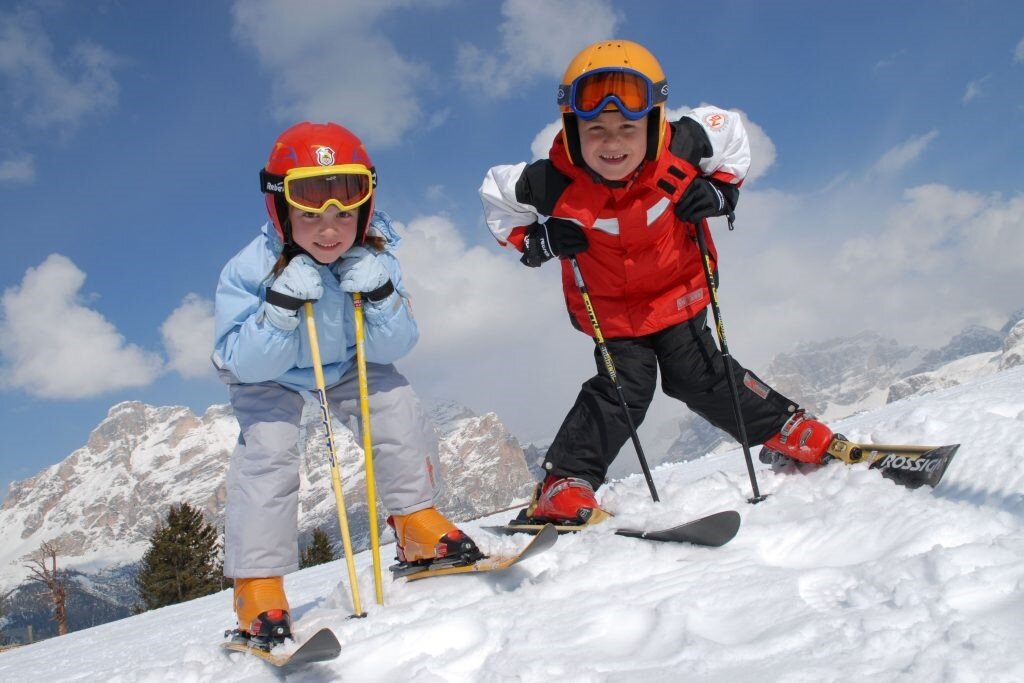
point(564, 500)
point(802, 438)
point(426, 535)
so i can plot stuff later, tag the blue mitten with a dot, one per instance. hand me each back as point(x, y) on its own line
point(365, 271)
point(298, 282)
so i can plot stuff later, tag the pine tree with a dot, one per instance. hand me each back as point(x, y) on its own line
point(318, 551)
point(182, 562)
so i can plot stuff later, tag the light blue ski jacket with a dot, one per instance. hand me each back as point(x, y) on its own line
point(253, 350)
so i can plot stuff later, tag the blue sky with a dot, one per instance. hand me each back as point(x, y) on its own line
point(885, 193)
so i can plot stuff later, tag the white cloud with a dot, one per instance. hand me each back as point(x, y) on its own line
point(886, 62)
point(914, 265)
point(762, 149)
point(54, 347)
point(974, 88)
point(537, 39)
point(329, 61)
point(188, 337)
point(51, 88)
point(493, 333)
point(20, 169)
point(541, 144)
point(1018, 52)
point(901, 156)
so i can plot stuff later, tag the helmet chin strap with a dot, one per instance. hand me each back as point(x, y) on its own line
point(290, 249)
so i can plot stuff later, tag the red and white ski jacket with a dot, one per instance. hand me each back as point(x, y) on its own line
point(642, 266)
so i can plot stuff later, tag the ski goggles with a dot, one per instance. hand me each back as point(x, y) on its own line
point(314, 188)
point(632, 93)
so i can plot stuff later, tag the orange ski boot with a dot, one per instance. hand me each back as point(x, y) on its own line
point(262, 611)
point(426, 535)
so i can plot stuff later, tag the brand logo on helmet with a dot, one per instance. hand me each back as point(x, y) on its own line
point(274, 187)
point(325, 156)
point(664, 90)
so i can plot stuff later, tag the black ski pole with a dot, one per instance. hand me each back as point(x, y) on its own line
point(727, 358)
point(609, 365)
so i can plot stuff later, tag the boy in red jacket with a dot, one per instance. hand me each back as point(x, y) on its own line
point(624, 191)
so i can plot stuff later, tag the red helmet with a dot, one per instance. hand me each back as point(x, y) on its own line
point(313, 145)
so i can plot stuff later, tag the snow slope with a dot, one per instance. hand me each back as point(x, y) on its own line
point(839, 576)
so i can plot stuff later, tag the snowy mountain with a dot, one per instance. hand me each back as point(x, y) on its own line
point(839, 375)
point(971, 341)
point(839, 575)
point(1009, 354)
point(103, 501)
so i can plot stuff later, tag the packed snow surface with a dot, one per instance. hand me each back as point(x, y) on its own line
point(840, 575)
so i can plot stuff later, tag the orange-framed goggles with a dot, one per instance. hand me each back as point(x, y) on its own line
point(314, 188)
point(631, 92)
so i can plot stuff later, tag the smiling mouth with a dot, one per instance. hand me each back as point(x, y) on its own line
point(613, 157)
point(332, 245)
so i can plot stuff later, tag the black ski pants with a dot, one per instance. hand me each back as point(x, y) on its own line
point(692, 370)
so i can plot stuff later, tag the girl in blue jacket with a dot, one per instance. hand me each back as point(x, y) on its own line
point(323, 242)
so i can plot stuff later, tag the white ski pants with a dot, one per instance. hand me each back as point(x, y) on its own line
point(261, 521)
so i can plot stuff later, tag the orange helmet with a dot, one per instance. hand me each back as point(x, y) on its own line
point(316, 165)
point(613, 75)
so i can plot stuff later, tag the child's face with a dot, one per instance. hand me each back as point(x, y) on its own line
point(612, 145)
point(326, 236)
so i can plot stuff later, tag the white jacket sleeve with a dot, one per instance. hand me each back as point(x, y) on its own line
point(501, 210)
point(729, 142)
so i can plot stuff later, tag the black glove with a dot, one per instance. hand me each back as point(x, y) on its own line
point(556, 237)
point(707, 197)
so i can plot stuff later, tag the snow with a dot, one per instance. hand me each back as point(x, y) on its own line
point(839, 575)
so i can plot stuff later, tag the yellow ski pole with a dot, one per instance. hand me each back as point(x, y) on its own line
point(371, 484)
point(339, 496)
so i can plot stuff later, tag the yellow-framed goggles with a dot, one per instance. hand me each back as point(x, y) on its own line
point(315, 188)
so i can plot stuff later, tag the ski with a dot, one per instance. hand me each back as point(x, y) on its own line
point(713, 530)
point(322, 646)
point(910, 466)
point(906, 465)
point(546, 538)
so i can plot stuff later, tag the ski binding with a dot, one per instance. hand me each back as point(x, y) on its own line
point(545, 539)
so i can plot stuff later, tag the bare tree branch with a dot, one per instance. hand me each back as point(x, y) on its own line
point(52, 581)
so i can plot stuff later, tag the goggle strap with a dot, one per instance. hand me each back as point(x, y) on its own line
point(659, 92)
point(271, 182)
